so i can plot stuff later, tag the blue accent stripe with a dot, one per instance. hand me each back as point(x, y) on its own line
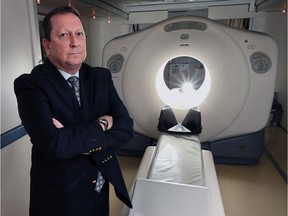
point(12, 135)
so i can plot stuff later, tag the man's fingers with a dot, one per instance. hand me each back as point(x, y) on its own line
point(57, 123)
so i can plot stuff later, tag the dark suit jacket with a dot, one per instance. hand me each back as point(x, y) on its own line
point(61, 176)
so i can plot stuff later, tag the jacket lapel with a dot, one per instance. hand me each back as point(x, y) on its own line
point(62, 87)
point(86, 93)
point(90, 91)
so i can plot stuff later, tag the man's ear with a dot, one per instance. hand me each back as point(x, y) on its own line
point(46, 46)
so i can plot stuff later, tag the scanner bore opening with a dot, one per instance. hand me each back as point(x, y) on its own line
point(183, 82)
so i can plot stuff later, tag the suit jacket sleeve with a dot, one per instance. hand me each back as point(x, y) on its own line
point(45, 94)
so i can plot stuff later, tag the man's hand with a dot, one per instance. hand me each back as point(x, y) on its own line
point(109, 119)
point(106, 122)
point(57, 123)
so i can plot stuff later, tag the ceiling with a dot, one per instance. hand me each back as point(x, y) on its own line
point(122, 8)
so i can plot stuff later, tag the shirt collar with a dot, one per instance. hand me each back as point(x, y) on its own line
point(67, 75)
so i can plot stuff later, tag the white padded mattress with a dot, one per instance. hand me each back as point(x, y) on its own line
point(178, 159)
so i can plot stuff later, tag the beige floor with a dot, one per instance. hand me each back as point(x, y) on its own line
point(257, 190)
point(276, 144)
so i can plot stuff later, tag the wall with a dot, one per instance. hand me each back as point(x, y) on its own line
point(20, 51)
point(18, 54)
point(15, 178)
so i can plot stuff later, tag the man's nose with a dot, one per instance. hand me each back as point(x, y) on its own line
point(74, 40)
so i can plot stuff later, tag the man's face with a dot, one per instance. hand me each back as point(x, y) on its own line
point(67, 48)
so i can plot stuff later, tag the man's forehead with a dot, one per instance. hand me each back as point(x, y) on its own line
point(61, 20)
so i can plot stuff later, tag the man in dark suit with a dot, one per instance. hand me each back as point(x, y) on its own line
point(74, 135)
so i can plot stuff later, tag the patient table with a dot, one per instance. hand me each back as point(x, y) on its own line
point(176, 178)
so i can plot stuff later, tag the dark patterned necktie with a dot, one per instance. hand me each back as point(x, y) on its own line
point(74, 81)
point(100, 182)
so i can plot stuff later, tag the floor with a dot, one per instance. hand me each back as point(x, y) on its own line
point(253, 190)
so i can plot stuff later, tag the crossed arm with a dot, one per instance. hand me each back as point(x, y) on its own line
point(58, 124)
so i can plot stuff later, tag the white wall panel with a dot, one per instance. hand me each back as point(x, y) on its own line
point(15, 178)
point(20, 52)
point(19, 48)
